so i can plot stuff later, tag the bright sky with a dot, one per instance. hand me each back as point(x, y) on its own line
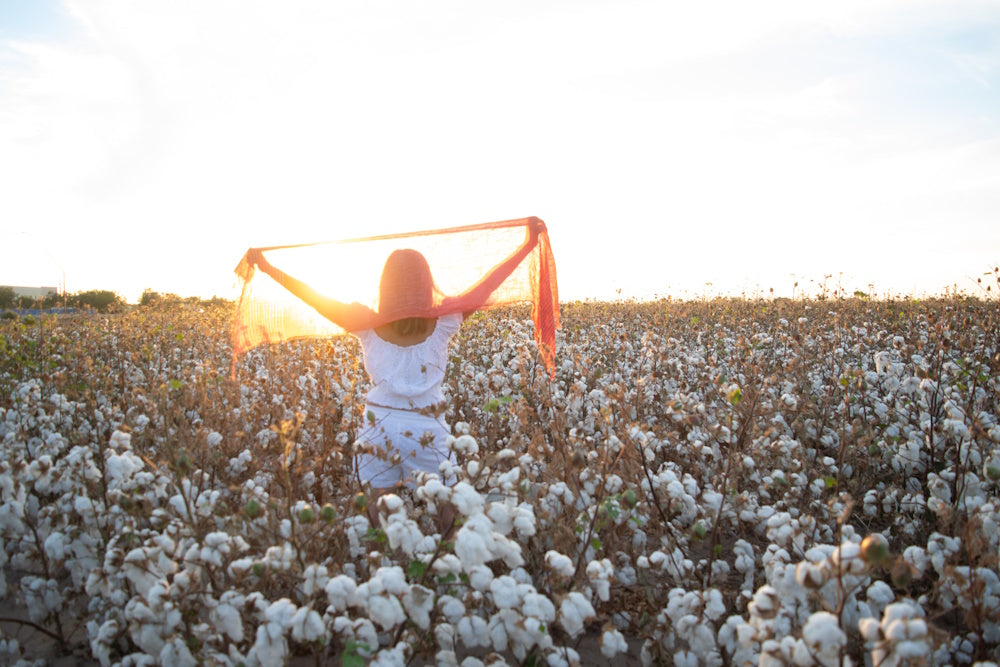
point(750, 145)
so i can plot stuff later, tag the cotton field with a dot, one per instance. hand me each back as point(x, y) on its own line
point(726, 482)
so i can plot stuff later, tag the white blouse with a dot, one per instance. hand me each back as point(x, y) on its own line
point(408, 376)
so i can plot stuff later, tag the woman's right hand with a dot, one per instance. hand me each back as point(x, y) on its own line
point(256, 257)
point(535, 227)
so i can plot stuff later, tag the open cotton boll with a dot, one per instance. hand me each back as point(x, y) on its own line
point(473, 546)
point(176, 653)
point(539, 607)
point(465, 444)
point(314, 579)
point(506, 592)
point(560, 564)
point(523, 519)
point(280, 612)
point(474, 631)
point(269, 647)
point(466, 499)
point(822, 641)
point(600, 574)
point(451, 608)
point(480, 577)
point(613, 643)
point(575, 611)
point(562, 656)
point(418, 602)
point(342, 592)
point(226, 618)
point(384, 610)
point(390, 503)
point(501, 516)
point(402, 533)
point(307, 625)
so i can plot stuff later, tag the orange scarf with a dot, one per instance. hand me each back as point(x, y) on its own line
point(471, 268)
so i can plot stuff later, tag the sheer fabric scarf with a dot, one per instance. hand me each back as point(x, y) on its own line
point(350, 271)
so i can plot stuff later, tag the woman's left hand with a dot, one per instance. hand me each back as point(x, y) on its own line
point(256, 257)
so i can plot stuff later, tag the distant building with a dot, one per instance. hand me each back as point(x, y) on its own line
point(33, 292)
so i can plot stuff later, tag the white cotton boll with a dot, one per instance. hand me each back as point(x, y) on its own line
point(390, 503)
point(385, 611)
point(403, 534)
point(506, 593)
point(824, 638)
point(685, 659)
point(465, 444)
point(560, 564)
point(227, 619)
point(613, 643)
point(447, 564)
point(120, 440)
point(472, 468)
point(466, 499)
point(444, 636)
point(766, 603)
point(916, 557)
point(562, 656)
point(314, 579)
point(446, 658)
point(524, 520)
point(502, 517)
point(391, 580)
point(474, 632)
point(341, 591)
point(391, 657)
point(714, 605)
point(880, 595)
point(307, 625)
point(451, 608)
point(847, 559)
point(472, 546)
point(499, 638)
point(539, 606)
point(176, 654)
point(280, 612)
point(600, 574)
point(574, 612)
point(56, 546)
point(214, 439)
point(508, 480)
point(270, 646)
point(418, 603)
point(480, 577)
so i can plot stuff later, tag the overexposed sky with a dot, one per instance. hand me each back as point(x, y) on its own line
point(148, 143)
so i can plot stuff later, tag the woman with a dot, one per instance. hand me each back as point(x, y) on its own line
point(405, 354)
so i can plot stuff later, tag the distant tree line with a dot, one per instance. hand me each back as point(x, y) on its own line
point(102, 301)
point(151, 299)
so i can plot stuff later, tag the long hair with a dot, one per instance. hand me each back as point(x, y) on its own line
point(406, 286)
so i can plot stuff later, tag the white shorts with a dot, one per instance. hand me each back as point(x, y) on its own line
point(398, 444)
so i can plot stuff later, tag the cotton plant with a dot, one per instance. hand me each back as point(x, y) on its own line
point(99, 475)
point(809, 609)
point(686, 630)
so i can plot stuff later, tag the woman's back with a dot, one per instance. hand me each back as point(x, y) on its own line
point(407, 371)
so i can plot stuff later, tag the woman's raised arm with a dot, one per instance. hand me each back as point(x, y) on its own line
point(481, 291)
point(348, 316)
